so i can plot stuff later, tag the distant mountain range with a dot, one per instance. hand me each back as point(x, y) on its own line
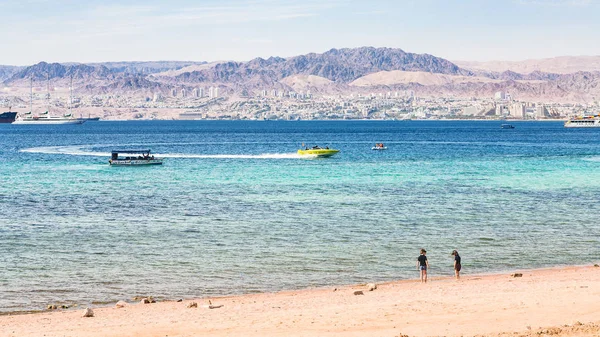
point(365, 69)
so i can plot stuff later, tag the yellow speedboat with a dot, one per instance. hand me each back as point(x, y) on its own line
point(317, 152)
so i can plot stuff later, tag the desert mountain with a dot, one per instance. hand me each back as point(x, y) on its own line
point(337, 65)
point(336, 71)
point(558, 65)
point(7, 71)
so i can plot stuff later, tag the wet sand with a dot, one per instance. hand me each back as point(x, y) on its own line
point(557, 301)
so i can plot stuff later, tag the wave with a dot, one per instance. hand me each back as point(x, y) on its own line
point(81, 151)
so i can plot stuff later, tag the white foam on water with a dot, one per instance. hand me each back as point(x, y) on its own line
point(66, 150)
point(594, 158)
point(81, 151)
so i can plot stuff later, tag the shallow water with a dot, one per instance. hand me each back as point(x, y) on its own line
point(235, 210)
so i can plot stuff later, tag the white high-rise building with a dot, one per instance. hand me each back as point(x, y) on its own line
point(200, 92)
point(174, 92)
point(195, 92)
point(216, 92)
point(183, 93)
point(211, 92)
point(541, 111)
point(518, 110)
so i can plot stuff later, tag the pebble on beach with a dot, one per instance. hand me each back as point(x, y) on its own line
point(88, 312)
point(358, 292)
point(192, 305)
point(121, 304)
point(51, 307)
point(517, 275)
point(371, 286)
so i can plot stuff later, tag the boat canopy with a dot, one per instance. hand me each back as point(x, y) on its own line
point(130, 151)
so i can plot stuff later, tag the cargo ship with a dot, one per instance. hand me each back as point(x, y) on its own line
point(8, 117)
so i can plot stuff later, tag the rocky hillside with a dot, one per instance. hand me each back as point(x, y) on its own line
point(559, 65)
point(337, 65)
point(7, 71)
point(336, 71)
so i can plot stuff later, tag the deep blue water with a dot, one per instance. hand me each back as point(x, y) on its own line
point(235, 210)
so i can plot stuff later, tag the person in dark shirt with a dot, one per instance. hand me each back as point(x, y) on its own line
point(422, 265)
point(457, 265)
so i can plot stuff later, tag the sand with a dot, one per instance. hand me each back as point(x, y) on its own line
point(557, 301)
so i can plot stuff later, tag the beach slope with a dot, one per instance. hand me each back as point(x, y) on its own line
point(558, 301)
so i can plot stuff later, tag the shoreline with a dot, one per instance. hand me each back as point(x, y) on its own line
point(99, 304)
point(478, 304)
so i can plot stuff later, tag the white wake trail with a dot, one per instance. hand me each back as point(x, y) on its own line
point(81, 151)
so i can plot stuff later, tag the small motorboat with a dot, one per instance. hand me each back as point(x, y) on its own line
point(507, 126)
point(317, 151)
point(133, 158)
point(379, 146)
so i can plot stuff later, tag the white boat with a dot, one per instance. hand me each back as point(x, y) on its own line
point(133, 158)
point(45, 118)
point(583, 122)
point(55, 120)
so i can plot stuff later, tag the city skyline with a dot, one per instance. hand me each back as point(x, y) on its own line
point(105, 31)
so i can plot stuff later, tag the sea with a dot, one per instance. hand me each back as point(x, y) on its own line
point(235, 210)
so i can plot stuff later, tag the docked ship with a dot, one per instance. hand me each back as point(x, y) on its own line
point(8, 117)
point(583, 122)
point(46, 119)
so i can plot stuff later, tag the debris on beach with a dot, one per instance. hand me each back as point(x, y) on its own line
point(88, 312)
point(147, 300)
point(371, 286)
point(517, 275)
point(358, 292)
point(596, 265)
point(64, 306)
point(212, 306)
point(180, 300)
point(121, 304)
point(51, 307)
point(192, 305)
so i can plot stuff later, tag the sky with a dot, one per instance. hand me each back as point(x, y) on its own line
point(240, 30)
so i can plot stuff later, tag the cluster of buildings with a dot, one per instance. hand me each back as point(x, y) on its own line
point(212, 92)
point(209, 103)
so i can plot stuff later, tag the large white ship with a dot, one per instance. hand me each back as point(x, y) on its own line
point(45, 119)
point(583, 122)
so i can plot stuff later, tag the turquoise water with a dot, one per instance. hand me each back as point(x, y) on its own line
point(235, 210)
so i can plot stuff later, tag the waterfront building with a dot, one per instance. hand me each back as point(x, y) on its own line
point(541, 111)
point(500, 96)
point(518, 110)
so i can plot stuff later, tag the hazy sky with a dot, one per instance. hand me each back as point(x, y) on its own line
point(109, 30)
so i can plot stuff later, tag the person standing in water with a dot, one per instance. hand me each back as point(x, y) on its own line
point(457, 265)
point(422, 265)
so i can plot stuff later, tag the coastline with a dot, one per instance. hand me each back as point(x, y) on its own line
point(484, 304)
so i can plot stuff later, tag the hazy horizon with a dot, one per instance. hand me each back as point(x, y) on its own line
point(106, 31)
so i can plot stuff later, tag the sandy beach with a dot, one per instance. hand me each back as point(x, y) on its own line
point(558, 301)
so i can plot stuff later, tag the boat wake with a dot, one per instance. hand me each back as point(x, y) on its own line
point(81, 151)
